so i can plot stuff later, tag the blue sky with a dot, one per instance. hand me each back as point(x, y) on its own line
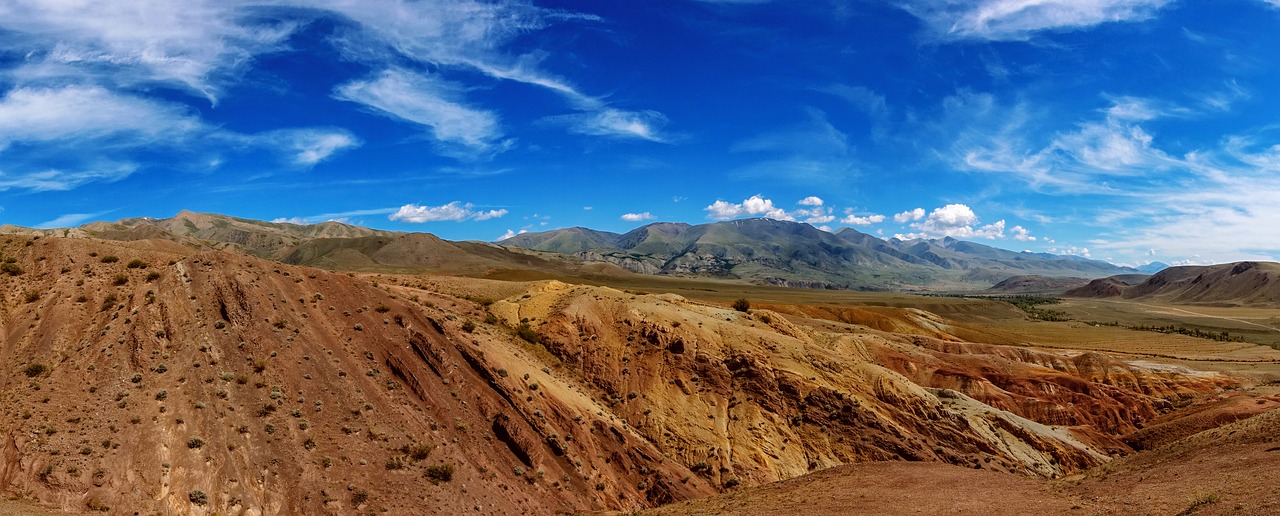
point(1126, 130)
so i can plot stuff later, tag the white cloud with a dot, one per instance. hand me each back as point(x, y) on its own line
point(637, 217)
point(57, 179)
point(1020, 19)
point(454, 211)
point(1071, 250)
point(456, 34)
point(69, 220)
point(810, 201)
point(1021, 234)
point(64, 113)
point(426, 100)
point(616, 123)
point(953, 220)
point(297, 221)
point(909, 215)
point(196, 45)
point(753, 206)
point(854, 220)
point(311, 146)
point(510, 233)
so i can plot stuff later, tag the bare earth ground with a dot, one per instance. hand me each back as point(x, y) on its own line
point(307, 390)
point(21, 508)
point(1230, 470)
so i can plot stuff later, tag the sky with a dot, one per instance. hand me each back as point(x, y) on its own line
point(1125, 130)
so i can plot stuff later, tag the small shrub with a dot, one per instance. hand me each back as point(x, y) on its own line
point(31, 296)
point(120, 279)
point(109, 259)
point(468, 326)
point(395, 463)
point(198, 497)
point(35, 369)
point(418, 451)
point(742, 305)
point(137, 264)
point(11, 269)
point(162, 395)
point(440, 473)
point(109, 301)
point(152, 276)
point(490, 319)
point(359, 497)
point(382, 309)
point(527, 333)
point(96, 504)
point(195, 443)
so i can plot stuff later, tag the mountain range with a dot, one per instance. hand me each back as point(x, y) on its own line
point(1254, 284)
point(797, 254)
point(761, 251)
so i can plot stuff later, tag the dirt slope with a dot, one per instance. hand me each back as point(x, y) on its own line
point(1232, 469)
point(275, 389)
point(149, 377)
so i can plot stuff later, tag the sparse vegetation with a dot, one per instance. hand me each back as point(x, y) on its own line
point(742, 305)
point(109, 259)
point(438, 473)
point(524, 331)
point(137, 264)
point(11, 269)
point(198, 497)
point(35, 369)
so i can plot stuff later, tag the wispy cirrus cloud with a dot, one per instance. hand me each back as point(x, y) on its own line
point(311, 145)
point(70, 220)
point(428, 101)
point(198, 46)
point(1020, 19)
point(80, 113)
point(810, 152)
point(616, 123)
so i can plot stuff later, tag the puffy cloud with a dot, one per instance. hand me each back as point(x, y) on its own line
point(753, 206)
point(909, 215)
point(1019, 19)
point(1071, 250)
point(455, 211)
point(810, 201)
point(637, 217)
point(953, 220)
point(510, 234)
point(425, 100)
point(1021, 234)
point(854, 220)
